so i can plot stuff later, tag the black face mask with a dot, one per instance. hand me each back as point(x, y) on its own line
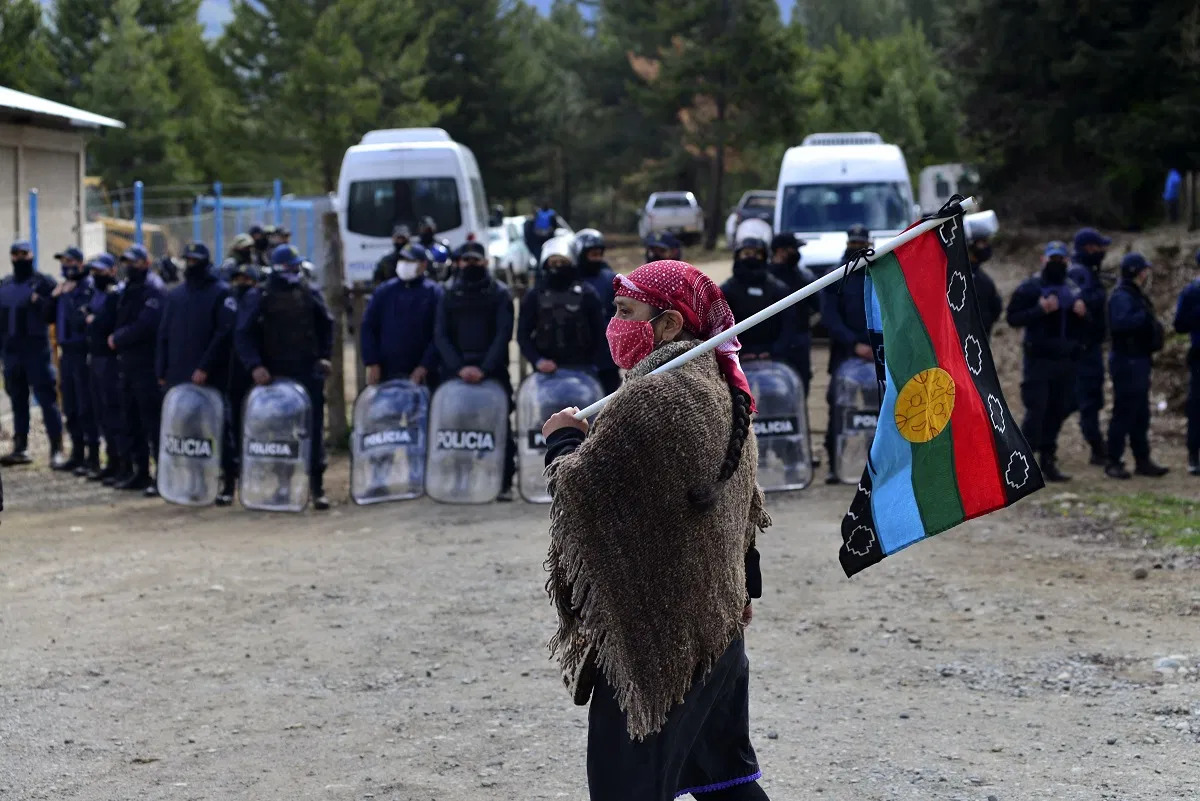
point(136, 275)
point(399, 246)
point(1090, 259)
point(560, 278)
point(981, 253)
point(195, 271)
point(752, 272)
point(23, 269)
point(474, 273)
point(103, 281)
point(239, 290)
point(260, 243)
point(792, 260)
point(1055, 272)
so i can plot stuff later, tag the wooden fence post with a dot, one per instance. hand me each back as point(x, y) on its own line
point(335, 292)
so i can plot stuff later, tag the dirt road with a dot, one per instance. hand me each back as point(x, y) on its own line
point(397, 652)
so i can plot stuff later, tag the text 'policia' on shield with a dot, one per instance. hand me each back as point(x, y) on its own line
point(946, 448)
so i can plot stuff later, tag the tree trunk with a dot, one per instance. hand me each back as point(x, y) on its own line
point(715, 203)
point(338, 430)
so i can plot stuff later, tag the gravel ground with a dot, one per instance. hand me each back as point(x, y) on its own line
point(398, 652)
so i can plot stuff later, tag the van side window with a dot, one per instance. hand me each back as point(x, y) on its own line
point(480, 204)
point(376, 206)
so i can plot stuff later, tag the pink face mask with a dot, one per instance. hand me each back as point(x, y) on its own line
point(630, 341)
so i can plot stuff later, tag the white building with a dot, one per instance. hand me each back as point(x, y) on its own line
point(42, 146)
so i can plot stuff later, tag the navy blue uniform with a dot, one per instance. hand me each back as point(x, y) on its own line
point(397, 328)
point(798, 351)
point(196, 333)
point(25, 312)
point(285, 326)
point(104, 377)
point(1136, 334)
point(844, 313)
point(1089, 382)
point(139, 312)
point(474, 327)
point(565, 325)
point(1187, 321)
point(70, 323)
point(1052, 343)
point(599, 276)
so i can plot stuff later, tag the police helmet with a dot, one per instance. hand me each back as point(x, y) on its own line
point(556, 246)
point(414, 252)
point(587, 239)
point(197, 251)
point(242, 242)
point(752, 243)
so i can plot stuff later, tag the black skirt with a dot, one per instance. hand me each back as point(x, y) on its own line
point(703, 747)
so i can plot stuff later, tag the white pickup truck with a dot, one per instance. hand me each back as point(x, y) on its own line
point(673, 212)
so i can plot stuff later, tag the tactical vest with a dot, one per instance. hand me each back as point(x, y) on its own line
point(562, 330)
point(289, 328)
point(471, 318)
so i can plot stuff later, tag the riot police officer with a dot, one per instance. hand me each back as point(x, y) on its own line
point(104, 378)
point(785, 265)
point(751, 289)
point(1187, 321)
point(284, 330)
point(1136, 336)
point(397, 328)
point(663, 245)
point(72, 298)
point(991, 306)
point(438, 249)
point(473, 329)
point(1055, 318)
point(241, 254)
point(262, 246)
point(139, 311)
point(244, 278)
point(385, 269)
point(593, 270)
point(561, 322)
point(195, 341)
point(25, 312)
point(1090, 249)
point(843, 312)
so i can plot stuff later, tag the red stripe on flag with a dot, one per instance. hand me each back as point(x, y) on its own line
point(924, 265)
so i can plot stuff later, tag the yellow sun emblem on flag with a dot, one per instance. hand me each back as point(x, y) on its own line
point(925, 404)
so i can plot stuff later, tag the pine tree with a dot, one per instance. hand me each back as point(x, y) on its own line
point(25, 60)
point(129, 81)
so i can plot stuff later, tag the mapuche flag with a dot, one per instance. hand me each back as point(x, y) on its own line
point(946, 448)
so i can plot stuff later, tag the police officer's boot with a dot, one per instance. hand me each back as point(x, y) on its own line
point(1147, 467)
point(58, 459)
point(320, 499)
point(1194, 463)
point(96, 473)
point(138, 479)
point(91, 461)
point(1050, 469)
point(1098, 458)
point(118, 470)
point(225, 496)
point(1117, 470)
point(19, 453)
point(76, 459)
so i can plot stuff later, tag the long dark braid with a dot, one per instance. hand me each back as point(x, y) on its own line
point(703, 498)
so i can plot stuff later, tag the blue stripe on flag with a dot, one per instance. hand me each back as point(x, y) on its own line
point(893, 503)
point(874, 314)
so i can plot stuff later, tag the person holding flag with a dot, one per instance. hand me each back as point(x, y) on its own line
point(652, 557)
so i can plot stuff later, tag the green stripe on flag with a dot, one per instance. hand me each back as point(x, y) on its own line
point(909, 350)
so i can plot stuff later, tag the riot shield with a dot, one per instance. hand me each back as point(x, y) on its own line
point(856, 408)
point(189, 445)
point(387, 449)
point(781, 426)
point(276, 443)
point(468, 429)
point(541, 395)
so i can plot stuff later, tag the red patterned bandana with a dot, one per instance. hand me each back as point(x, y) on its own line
point(680, 286)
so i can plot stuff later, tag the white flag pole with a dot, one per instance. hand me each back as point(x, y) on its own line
point(832, 277)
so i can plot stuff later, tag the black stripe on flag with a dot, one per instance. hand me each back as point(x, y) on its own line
point(860, 539)
point(1019, 472)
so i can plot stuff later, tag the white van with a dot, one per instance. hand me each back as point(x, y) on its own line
point(402, 175)
point(835, 180)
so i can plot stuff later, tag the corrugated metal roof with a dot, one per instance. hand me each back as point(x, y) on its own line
point(20, 101)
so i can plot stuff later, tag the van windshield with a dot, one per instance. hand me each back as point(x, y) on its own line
point(375, 207)
point(836, 207)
